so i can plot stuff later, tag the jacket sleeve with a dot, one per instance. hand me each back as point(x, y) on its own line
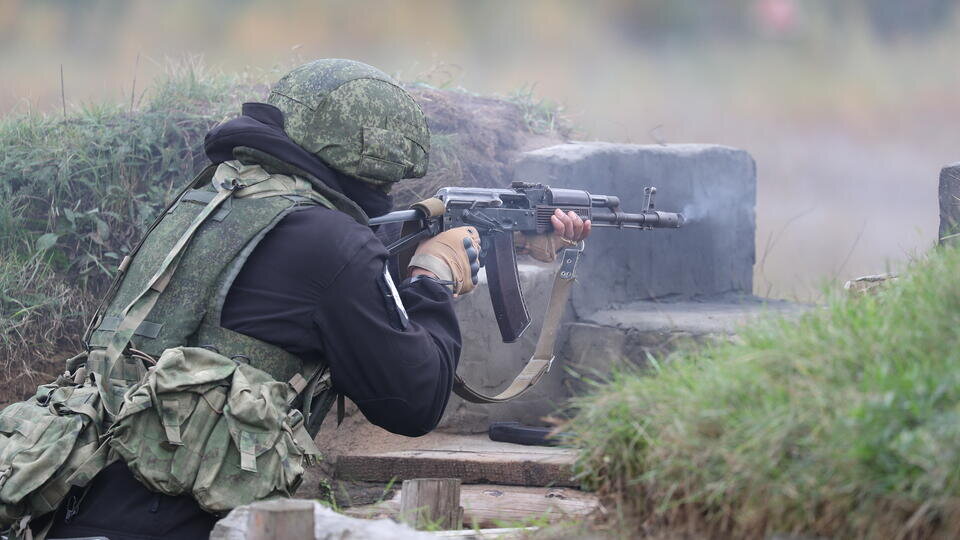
point(400, 376)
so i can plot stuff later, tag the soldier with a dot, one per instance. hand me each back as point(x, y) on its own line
point(286, 277)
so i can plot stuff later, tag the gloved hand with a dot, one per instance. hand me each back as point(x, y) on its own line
point(568, 229)
point(452, 256)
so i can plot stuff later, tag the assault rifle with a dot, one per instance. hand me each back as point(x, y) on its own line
point(497, 214)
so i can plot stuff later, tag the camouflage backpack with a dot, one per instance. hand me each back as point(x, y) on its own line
point(44, 442)
point(220, 416)
point(164, 304)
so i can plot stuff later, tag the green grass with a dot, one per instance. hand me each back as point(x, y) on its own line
point(844, 423)
point(541, 115)
point(75, 194)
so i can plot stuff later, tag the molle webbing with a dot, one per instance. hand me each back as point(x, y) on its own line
point(174, 287)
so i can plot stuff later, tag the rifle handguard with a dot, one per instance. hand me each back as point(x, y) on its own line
point(429, 208)
point(541, 246)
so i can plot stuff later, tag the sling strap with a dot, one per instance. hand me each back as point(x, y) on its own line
point(542, 358)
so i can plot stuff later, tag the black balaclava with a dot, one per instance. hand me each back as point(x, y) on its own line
point(261, 127)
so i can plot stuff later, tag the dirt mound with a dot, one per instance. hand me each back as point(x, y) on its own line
point(474, 140)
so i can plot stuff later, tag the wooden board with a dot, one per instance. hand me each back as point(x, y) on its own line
point(431, 502)
point(509, 468)
point(497, 505)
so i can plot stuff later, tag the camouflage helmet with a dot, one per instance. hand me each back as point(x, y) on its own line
point(355, 118)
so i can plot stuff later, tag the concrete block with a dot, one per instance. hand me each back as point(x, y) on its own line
point(632, 333)
point(492, 505)
point(714, 186)
point(247, 523)
point(718, 317)
point(489, 365)
point(950, 202)
point(714, 254)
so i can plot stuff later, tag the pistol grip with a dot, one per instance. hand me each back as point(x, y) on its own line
point(504, 284)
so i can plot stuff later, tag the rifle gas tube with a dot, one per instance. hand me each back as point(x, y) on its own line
point(497, 214)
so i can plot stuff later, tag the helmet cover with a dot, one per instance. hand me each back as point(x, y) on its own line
point(356, 119)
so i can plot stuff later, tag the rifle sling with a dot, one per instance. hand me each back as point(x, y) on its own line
point(542, 357)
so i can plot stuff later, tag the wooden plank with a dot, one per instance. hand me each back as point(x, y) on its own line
point(283, 519)
point(508, 468)
point(431, 502)
point(496, 505)
point(489, 534)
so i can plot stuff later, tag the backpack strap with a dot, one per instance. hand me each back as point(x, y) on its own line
point(96, 319)
point(539, 364)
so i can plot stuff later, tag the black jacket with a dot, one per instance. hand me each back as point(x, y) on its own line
point(314, 287)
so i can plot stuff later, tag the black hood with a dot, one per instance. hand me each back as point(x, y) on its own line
point(261, 128)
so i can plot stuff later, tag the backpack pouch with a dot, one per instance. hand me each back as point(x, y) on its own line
point(259, 455)
point(42, 442)
point(201, 424)
point(150, 432)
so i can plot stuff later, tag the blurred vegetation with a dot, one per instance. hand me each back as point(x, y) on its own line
point(674, 20)
point(75, 194)
point(498, 45)
point(842, 424)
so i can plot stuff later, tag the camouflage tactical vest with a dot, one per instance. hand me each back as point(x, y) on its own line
point(171, 290)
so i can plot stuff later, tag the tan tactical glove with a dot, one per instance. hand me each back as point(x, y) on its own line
point(453, 256)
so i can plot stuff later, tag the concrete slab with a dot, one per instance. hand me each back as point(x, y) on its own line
point(592, 344)
point(629, 334)
point(490, 505)
point(722, 316)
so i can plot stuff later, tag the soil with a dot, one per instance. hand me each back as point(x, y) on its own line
point(20, 384)
point(475, 141)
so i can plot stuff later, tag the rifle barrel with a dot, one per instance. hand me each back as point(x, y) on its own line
point(604, 217)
